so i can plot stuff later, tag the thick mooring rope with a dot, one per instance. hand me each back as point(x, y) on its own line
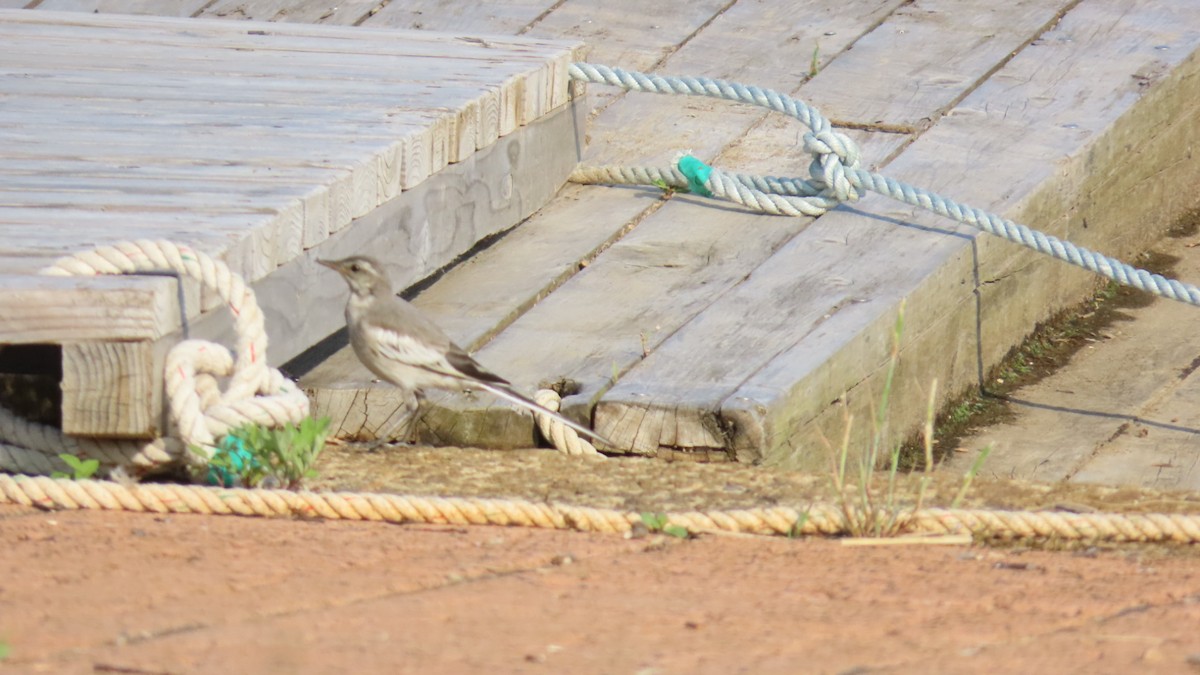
point(835, 177)
point(62, 494)
point(201, 411)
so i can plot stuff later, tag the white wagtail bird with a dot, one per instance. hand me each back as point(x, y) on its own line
point(397, 343)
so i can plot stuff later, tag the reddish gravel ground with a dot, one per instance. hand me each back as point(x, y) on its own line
point(86, 592)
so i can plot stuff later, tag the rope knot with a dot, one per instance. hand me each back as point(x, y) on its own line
point(210, 389)
point(833, 152)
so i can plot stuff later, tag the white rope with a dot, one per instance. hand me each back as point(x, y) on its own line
point(834, 176)
point(567, 440)
point(201, 410)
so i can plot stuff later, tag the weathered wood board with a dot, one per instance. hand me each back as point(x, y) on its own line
point(264, 145)
point(1123, 411)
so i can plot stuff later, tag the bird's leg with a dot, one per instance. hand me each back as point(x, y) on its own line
point(404, 414)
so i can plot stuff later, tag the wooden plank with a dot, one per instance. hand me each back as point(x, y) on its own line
point(599, 215)
point(617, 31)
point(111, 389)
point(461, 16)
point(532, 71)
point(177, 8)
point(341, 12)
point(230, 237)
point(1111, 415)
point(1157, 451)
point(783, 406)
point(510, 54)
point(50, 310)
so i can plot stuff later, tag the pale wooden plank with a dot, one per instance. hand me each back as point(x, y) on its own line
point(176, 8)
point(629, 34)
point(328, 12)
point(461, 16)
point(784, 406)
point(73, 309)
point(219, 178)
point(259, 35)
point(449, 132)
point(618, 31)
point(1156, 451)
point(110, 389)
point(969, 35)
point(237, 239)
point(446, 77)
point(752, 50)
point(1103, 418)
point(500, 93)
point(358, 177)
point(531, 65)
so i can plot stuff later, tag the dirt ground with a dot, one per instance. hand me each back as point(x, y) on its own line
point(135, 593)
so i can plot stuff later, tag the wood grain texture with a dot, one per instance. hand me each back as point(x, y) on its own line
point(50, 310)
point(463, 16)
point(778, 326)
point(178, 8)
point(111, 389)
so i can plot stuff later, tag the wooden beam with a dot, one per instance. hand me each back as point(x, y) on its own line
point(111, 389)
point(37, 309)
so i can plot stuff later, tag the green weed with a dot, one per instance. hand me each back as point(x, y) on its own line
point(657, 522)
point(252, 455)
point(869, 510)
point(81, 469)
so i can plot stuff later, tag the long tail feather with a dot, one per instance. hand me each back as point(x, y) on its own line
point(532, 406)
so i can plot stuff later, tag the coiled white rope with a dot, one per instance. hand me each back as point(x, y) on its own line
point(201, 411)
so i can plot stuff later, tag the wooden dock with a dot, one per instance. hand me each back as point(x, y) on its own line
point(695, 326)
point(730, 333)
point(264, 145)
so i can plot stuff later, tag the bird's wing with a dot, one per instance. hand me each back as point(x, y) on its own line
point(437, 355)
point(462, 361)
point(409, 350)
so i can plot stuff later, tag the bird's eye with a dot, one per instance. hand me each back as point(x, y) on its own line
point(354, 267)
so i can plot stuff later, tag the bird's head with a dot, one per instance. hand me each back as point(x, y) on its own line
point(365, 275)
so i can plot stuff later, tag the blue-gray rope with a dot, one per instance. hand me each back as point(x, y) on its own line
point(834, 177)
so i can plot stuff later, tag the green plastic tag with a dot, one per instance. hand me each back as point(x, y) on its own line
point(697, 174)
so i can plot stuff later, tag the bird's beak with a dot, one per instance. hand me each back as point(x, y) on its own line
point(331, 264)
